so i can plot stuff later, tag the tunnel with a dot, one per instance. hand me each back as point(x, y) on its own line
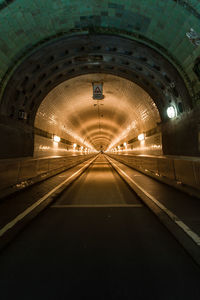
point(100, 149)
point(125, 112)
point(68, 58)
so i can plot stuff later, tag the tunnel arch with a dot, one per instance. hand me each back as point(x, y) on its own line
point(42, 46)
point(70, 111)
point(69, 57)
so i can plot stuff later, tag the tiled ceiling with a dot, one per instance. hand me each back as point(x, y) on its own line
point(70, 111)
point(25, 25)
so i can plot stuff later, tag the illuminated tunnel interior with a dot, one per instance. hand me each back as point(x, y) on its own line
point(69, 111)
point(146, 57)
point(100, 149)
point(53, 96)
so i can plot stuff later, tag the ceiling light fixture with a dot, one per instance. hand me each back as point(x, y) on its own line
point(141, 137)
point(171, 112)
point(56, 138)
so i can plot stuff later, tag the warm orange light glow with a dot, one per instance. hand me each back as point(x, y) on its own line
point(141, 137)
point(56, 138)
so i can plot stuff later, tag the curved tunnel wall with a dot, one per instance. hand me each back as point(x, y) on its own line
point(68, 57)
point(73, 56)
point(45, 43)
point(70, 111)
point(159, 24)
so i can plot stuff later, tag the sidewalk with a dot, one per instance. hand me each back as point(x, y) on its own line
point(169, 204)
point(19, 208)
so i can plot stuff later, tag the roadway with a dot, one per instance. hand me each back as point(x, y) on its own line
point(97, 240)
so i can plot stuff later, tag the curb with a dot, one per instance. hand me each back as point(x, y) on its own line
point(10, 230)
point(21, 185)
point(170, 222)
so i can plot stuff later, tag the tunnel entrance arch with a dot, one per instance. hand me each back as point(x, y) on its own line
point(125, 111)
point(69, 57)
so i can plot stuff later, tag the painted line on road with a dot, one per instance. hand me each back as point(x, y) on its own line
point(12, 223)
point(195, 237)
point(94, 205)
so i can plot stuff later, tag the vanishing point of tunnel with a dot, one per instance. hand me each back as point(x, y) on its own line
point(100, 149)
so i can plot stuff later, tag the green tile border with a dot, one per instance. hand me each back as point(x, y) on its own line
point(6, 3)
point(98, 30)
point(187, 6)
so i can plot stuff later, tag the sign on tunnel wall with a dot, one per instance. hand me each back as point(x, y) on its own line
point(97, 91)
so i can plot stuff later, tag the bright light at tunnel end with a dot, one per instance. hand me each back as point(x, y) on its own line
point(171, 112)
point(141, 137)
point(56, 138)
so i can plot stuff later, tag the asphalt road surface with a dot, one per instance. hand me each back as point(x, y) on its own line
point(97, 241)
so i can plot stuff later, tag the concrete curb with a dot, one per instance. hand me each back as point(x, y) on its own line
point(11, 232)
point(181, 236)
point(26, 182)
point(157, 174)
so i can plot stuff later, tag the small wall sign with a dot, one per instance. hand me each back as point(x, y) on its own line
point(97, 91)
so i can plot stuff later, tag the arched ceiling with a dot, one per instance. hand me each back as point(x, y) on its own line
point(26, 25)
point(70, 111)
point(69, 57)
point(45, 43)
